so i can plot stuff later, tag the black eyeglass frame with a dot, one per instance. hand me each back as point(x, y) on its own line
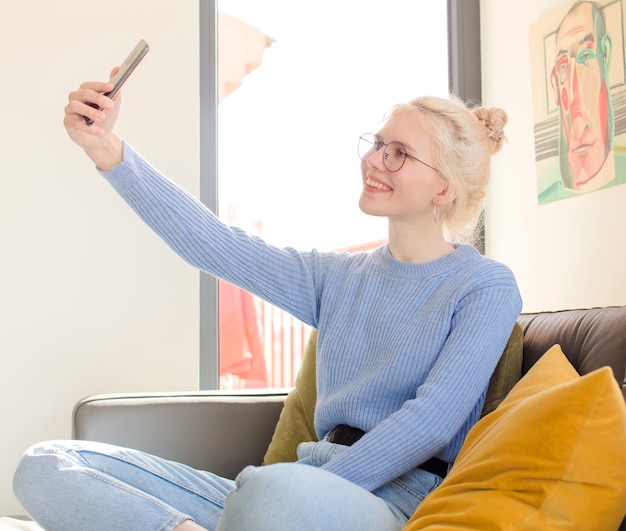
point(379, 143)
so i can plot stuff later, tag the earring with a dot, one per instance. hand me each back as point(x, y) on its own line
point(436, 213)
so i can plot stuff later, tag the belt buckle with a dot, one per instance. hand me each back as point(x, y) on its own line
point(344, 435)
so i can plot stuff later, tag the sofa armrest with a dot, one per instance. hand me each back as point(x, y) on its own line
point(208, 430)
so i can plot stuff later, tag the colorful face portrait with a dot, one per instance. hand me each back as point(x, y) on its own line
point(580, 83)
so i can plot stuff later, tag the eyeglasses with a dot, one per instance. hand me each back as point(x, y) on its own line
point(394, 155)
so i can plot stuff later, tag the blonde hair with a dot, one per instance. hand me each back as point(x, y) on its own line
point(464, 137)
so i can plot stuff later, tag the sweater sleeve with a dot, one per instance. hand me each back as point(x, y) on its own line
point(448, 400)
point(282, 276)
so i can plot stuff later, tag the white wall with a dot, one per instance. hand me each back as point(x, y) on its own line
point(90, 300)
point(566, 254)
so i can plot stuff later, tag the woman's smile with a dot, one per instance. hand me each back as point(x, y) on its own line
point(373, 184)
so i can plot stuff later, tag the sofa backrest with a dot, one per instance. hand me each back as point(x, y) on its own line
point(590, 338)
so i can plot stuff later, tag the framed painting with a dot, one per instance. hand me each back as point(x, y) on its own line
point(579, 99)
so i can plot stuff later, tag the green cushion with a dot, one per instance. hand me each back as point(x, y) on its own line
point(295, 424)
point(508, 371)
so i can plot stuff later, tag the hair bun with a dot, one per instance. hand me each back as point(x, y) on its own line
point(494, 120)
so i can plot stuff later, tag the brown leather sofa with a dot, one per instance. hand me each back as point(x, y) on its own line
point(590, 338)
point(224, 432)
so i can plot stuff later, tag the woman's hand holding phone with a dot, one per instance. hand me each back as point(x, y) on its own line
point(98, 140)
point(93, 109)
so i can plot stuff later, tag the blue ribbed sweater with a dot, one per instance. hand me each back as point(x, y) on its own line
point(405, 351)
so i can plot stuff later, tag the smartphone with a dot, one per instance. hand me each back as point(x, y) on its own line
point(125, 70)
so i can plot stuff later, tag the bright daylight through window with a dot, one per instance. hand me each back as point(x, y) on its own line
point(299, 82)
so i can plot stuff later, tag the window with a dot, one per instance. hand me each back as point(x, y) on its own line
point(280, 148)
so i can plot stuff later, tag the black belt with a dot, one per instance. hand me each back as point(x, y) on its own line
point(347, 435)
point(344, 434)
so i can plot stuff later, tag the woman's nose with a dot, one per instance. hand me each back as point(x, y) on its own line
point(376, 159)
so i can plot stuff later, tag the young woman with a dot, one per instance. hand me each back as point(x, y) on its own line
point(408, 337)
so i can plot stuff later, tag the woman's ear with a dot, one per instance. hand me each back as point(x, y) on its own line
point(446, 195)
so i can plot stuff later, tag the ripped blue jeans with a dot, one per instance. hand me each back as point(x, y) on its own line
point(78, 485)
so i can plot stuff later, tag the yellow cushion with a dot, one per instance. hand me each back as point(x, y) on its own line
point(551, 456)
